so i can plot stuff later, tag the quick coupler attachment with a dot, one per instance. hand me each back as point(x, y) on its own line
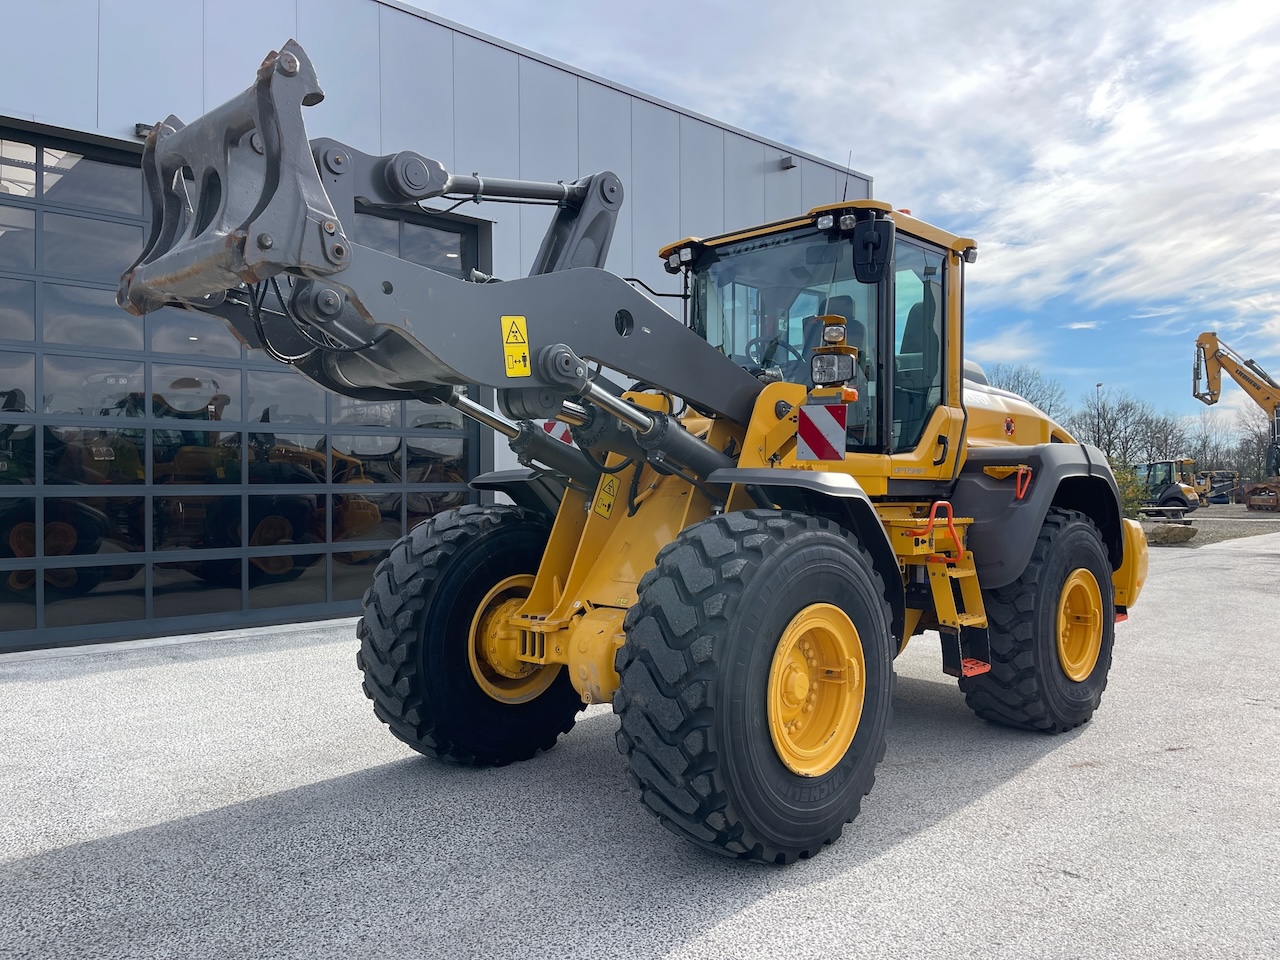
point(235, 196)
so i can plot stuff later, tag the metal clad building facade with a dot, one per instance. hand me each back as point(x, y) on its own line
point(156, 475)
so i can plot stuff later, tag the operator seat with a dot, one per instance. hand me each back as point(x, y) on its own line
point(855, 332)
point(916, 390)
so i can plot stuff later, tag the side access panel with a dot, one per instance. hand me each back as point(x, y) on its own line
point(1005, 527)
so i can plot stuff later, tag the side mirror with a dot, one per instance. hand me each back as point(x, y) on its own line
point(872, 249)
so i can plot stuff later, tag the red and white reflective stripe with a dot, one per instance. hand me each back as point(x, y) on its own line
point(820, 431)
point(558, 430)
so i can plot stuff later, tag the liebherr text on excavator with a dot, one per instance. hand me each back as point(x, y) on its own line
point(799, 479)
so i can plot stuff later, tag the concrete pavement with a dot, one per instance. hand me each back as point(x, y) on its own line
point(237, 798)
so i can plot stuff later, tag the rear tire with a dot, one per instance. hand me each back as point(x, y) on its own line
point(715, 698)
point(416, 642)
point(1051, 633)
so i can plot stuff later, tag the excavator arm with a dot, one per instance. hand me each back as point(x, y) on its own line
point(1211, 359)
point(250, 220)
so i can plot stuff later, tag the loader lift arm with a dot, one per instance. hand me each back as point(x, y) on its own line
point(269, 207)
point(1211, 359)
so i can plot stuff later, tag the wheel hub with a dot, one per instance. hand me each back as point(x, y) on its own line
point(817, 684)
point(493, 644)
point(1080, 625)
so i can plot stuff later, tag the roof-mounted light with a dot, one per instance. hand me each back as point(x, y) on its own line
point(848, 221)
point(826, 222)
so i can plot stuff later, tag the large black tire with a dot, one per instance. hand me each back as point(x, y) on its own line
point(1028, 686)
point(695, 677)
point(415, 637)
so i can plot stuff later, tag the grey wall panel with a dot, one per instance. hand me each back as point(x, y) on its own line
point(237, 35)
point(655, 190)
point(548, 142)
point(150, 63)
point(818, 185)
point(604, 143)
point(486, 129)
point(701, 178)
point(416, 73)
point(342, 39)
point(783, 196)
point(62, 92)
point(745, 177)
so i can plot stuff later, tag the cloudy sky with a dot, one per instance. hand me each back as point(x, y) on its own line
point(1118, 162)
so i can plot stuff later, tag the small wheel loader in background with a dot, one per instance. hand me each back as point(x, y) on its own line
point(799, 478)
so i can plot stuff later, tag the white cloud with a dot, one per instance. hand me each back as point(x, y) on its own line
point(1107, 152)
point(1013, 344)
point(1082, 325)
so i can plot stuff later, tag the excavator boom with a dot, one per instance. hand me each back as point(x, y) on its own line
point(1212, 357)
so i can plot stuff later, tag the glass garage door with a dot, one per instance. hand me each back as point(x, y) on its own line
point(156, 475)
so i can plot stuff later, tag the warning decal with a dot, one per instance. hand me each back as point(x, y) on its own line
point(515, 346)
point(606, 497)
point(820, 432)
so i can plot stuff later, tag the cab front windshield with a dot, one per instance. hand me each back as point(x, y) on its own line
point(1155, 475)
point(758, 301)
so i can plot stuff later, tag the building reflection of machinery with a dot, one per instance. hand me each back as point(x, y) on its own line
point(187, 452)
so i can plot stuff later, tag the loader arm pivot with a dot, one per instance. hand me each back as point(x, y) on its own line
point(248, 221)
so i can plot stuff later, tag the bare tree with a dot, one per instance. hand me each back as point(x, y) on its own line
point(1252, 436)
point(1113, 420)
point(1030, 384)
point(1211, 441)
point(1163, 437)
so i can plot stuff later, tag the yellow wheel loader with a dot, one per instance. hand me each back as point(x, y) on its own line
point(765, 500)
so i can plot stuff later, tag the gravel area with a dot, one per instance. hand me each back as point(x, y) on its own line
point(1226, 521)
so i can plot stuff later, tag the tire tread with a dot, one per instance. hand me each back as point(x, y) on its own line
point(390, 635)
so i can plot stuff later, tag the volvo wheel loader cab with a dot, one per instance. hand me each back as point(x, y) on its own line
point(795, 482)
point(1168, 483)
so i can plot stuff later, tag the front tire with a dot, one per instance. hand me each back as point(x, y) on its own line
point(1051, 633)
point(756, 684)
point(423, 641)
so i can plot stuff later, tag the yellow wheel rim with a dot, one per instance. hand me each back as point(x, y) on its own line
point(492, 645)
point(817, 684)
point(1079, 625)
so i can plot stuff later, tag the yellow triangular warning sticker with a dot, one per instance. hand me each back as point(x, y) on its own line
point(611, 486)
point(515, 334)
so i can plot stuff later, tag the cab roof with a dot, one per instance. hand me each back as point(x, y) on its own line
point(904, 222)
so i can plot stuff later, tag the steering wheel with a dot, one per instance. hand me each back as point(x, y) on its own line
point(771, 344)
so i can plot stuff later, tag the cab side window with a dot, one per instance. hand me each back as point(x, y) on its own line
point(918, 340)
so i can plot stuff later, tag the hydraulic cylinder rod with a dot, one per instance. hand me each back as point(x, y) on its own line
point(531, 443)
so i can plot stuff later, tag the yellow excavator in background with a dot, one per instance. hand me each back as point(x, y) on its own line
point(1212, 358)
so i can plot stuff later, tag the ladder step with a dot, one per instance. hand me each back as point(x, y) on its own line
point(970, 667)
point(972, 619)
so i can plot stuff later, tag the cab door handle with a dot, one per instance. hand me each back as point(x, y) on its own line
point(946, 446)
